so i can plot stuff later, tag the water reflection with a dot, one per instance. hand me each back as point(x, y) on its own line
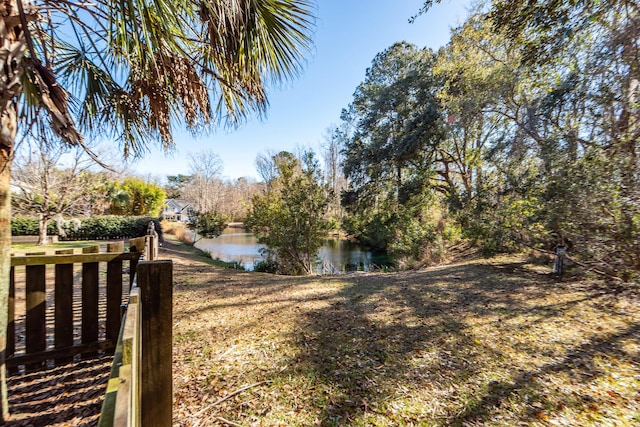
point(233, 245)
point(339, 256)
point(336, 255)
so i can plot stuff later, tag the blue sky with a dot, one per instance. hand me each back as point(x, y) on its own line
point(349, 33)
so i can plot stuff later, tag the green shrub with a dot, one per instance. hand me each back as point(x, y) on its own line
point(24, 226)
point(95, 228)
point(266, 266)
point(208, 225)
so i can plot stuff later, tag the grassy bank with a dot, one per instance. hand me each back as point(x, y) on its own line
point(495, 343)
point(22, 248)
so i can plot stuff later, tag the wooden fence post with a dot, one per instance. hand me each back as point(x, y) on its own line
point(36, 299)
point(135, 245)
point(114, 293)
point(11, 325)
point(155, 280)
point(90, 298)
point(63, 305)
point(152, 242)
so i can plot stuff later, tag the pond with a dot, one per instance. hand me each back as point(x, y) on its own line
point(336, 255)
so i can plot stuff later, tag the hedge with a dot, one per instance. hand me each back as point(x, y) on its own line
point(28, 226)
point(94, 228)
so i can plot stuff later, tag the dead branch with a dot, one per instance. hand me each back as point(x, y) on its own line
point(573, 260)
point(227, 397)
point(231, 423)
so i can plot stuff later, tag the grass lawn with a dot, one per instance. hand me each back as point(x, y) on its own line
point(485, 342)
point(51, 247)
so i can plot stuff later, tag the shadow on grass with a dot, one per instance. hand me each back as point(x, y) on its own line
point(577, 362)
point(361, 350)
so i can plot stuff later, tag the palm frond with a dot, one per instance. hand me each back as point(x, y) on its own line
point(134, 69)
point(250, 40)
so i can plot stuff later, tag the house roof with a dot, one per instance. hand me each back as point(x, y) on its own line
point(177, 204)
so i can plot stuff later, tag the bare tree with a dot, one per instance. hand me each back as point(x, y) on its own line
point(205, 188)
point(52, 181)
point(237, 196)
point(332, 149)
point(265, 166)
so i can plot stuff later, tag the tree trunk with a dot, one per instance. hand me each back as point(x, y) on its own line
point(13, 46)
point(43, 224)
point(8, 120)
point(5, 259)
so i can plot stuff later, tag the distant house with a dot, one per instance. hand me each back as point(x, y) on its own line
point(177, 210)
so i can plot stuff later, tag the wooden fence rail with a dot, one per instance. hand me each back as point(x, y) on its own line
point(139, 392)
point(39, 339)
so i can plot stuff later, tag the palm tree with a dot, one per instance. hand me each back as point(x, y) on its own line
point(131, 71)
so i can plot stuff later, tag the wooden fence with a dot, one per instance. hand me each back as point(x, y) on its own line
point(139, 391)
point(65, 301)
point(33, 337)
